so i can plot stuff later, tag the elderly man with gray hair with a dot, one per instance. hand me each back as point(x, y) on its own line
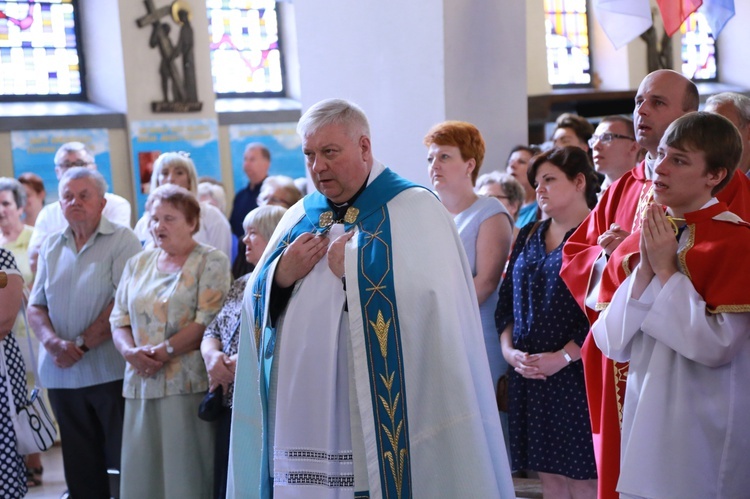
point(77, 276)
point(51, 219)
point(362, 370)
point(736, 108)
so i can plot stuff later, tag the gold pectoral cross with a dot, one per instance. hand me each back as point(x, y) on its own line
point(326, 221)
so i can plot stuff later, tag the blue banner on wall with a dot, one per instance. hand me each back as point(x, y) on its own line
point(34, 151)
point(151, 138)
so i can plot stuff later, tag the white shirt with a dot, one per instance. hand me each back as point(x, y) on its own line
point(51, 219)
point(75, 286)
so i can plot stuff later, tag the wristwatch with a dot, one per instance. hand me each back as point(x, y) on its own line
point(169, 347)
point(568, 358)
point(81, 343)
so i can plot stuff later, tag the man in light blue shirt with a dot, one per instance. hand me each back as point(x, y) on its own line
point(77, 276)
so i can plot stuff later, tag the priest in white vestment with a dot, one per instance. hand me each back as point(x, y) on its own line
point(682, 319)
point(361, 368)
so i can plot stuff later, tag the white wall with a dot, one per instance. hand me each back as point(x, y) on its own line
point(412, 64)
point(103, 57)
point(387, 57)
point(733, 45)
point(487, 87)
point(611, 65)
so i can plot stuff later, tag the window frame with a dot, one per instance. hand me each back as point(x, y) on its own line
point(563, 86)
point(715, 79)
point(83, 96)
point(261, 95)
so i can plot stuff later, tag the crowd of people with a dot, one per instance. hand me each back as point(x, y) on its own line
point(356, 341)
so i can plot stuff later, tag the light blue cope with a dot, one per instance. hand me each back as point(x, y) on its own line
point(380, 313)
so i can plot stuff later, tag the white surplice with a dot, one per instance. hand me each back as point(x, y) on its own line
point(686, 420)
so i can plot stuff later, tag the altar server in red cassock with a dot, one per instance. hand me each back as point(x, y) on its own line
point(662, 97)
point(681, 318)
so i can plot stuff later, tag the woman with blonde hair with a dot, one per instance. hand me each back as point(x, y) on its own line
point(177, 168)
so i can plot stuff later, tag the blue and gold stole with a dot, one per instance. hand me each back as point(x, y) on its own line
point(369, 214)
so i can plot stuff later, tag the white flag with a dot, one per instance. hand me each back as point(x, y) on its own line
point(623, 20)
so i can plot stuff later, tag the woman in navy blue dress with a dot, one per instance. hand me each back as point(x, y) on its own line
point(542, 329)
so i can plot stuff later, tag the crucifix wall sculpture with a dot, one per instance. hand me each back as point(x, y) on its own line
point(178, 85)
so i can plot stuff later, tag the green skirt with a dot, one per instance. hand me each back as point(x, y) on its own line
point(167, 451)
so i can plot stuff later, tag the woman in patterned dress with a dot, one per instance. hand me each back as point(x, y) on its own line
point(542, 329)
point(221, 339)
point(166, 298)
point(15, 236)
point(12, 468)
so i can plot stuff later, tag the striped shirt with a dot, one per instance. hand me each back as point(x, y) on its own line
point(75, 287)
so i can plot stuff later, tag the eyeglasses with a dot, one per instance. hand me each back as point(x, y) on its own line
point(606, 138)
point(71, 164)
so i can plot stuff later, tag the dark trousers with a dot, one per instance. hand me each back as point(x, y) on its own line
point(90, 421)
point(221, 455)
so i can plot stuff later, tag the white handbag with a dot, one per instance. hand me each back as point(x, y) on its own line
point(35, 430)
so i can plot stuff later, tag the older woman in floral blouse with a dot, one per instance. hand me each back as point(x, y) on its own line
point(166, 298)
point(220, 341)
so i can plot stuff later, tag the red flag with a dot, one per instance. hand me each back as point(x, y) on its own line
point(674, 13)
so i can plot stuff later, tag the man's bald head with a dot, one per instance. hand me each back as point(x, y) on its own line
point(663, 96)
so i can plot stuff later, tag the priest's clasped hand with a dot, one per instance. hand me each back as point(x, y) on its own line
point(336, 254)
point(299, 258)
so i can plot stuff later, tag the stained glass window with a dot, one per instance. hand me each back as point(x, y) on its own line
point(38, 49)
point(568, 61)
point(245, 53)
point(698, 48)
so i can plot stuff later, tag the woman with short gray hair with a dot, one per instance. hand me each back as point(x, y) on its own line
point(221, 339)
point(166, 297)
point(14, 235)
point(504, 188)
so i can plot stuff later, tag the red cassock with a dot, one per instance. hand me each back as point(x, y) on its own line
point(723, 287)
point(605, 379)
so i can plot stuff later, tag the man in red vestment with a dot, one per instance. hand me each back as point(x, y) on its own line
point(662, 97)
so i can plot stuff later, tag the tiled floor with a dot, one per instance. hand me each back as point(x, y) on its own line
point(54, 481)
